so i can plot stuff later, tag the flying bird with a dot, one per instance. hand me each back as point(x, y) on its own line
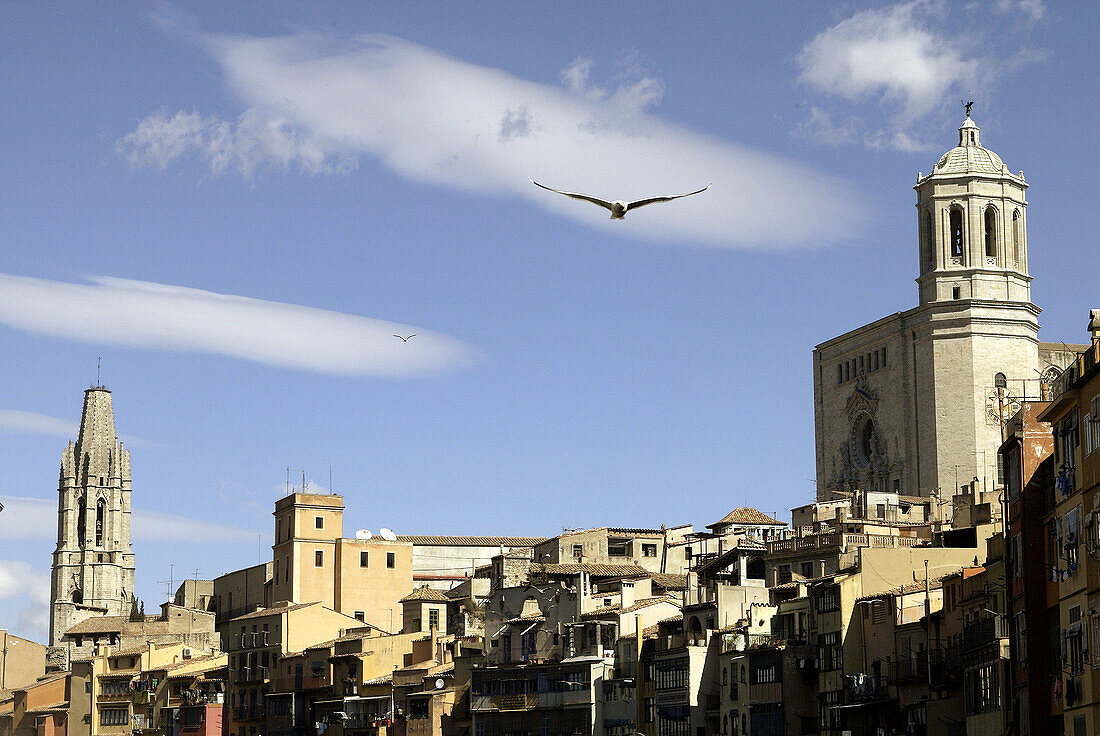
point(406, 339)
point(619, 208)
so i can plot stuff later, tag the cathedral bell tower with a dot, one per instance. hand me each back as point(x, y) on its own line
point(973, 233)
point(93, 565)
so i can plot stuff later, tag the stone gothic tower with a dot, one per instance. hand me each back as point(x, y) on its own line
point(93, 565)
point(914, 402)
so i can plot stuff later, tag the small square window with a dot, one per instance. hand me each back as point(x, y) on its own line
point(361, 616)
point(364, 558)
point(956, 292)
point(319, 558)
point(578, 550)
point(391, 559)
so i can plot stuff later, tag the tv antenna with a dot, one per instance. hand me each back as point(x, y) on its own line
point(171, 581)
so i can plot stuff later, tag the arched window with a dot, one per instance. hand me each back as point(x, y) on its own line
point(1000, 381)
point(990, 231)
point(956, 232)
point(82, 521)
point(926, 241)
point(77, 596)
point(100, 514)
point(1016, 235)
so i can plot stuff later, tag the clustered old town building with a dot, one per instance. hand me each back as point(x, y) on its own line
point(946, 580)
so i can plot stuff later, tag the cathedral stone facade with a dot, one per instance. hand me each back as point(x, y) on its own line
point(914, 402)
point(93, 565)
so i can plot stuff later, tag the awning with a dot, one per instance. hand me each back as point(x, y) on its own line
point(529, 628)
point(500, 631)
point(860, 705)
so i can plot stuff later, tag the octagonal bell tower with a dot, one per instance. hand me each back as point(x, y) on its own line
point(972, 221)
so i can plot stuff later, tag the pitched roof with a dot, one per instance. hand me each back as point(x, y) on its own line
point(275, 611)
point(424, 593)
point(592, 568)
point(668, 580)
point(99, 625)
point(445, 541)
point(638, 605)
point(747, 515)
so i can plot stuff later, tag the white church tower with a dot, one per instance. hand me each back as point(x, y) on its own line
point(93, 565)
point(914, 402)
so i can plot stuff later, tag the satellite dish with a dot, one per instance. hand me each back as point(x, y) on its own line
point(363, 534)
point(387, 534)
point(439, 683)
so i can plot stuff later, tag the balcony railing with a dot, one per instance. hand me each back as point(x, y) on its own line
point(864, 687)
point(248, 713)
point(984, 632)
point(839, 541)
point(250, 640)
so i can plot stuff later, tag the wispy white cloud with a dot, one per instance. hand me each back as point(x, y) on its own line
point(26, 589)
point(889, 54)
point(30, 422)
point(1029, 10)
point(251, 143)
point(149, 315)
point(907, 62)
point(326, 100)
point(19, 579)
point(36, 519)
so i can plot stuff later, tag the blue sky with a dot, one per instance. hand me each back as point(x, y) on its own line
point(236, 206)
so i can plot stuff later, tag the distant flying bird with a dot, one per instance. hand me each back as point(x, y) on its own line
point(619, 208)
point(406, 339)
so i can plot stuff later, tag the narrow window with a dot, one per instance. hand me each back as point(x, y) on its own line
point(364, 559)
point(82, 521)
point(990, 232)
point(876, 361)
point(1016, 235)
point(956, 232)
point(839, 373)
point(286, 571)
point(1000, 381)
point(883, 357)
point(319, 558)
point(433, 618)
point(318, 522)
point(391, 559)
point(100, 513)
point(956, 293)
point(927, 259)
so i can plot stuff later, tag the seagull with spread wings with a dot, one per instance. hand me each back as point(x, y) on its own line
point(619, 208)
point(406, 339)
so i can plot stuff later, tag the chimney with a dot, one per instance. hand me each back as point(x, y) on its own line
point(1094, 324)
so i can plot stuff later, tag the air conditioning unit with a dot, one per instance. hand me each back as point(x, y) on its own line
point(187, 653)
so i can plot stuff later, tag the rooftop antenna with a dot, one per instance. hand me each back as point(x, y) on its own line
point(304, 486)
point(98, 366)
point(330, 489)
point(171, 581)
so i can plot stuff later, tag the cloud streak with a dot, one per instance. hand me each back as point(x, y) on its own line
point(324, 101)
point(36, 519)
point(157, 316)
point(904, 60)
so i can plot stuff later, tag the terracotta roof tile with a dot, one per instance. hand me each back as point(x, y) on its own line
point(424, 593)
point(592, 568)
point(275, 611)
point(99, 625)
point(747, 515)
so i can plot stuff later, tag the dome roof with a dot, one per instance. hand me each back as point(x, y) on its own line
point(969, 157)
point(970, 160)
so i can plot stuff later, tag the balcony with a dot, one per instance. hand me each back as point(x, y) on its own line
point(836, 542)
point(253, 640)
point(984, 632)
point(248, 713)
point(252, 674)
point(297, 683)
point(866, 687)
